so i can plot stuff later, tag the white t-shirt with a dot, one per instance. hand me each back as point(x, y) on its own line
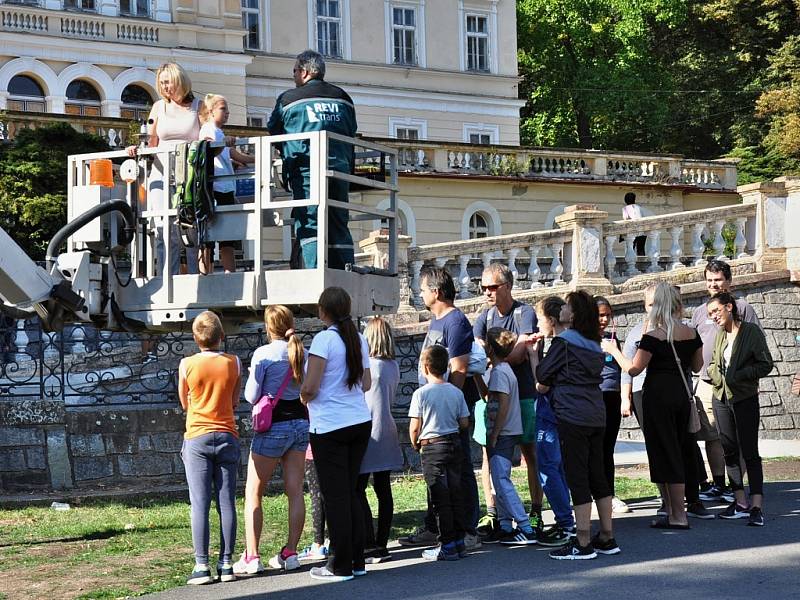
point(631, 212)
point(222, 161)
point(336, 405)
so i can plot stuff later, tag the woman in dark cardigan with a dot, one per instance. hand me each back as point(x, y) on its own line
point(740, 358)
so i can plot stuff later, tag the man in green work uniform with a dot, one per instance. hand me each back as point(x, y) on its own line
point(315, 105)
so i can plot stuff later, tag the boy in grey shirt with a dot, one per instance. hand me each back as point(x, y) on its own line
point(438, 412)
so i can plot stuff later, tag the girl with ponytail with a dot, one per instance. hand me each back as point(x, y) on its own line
point(340, 425)
point(276, 365)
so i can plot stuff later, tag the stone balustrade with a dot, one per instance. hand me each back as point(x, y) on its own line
point(700, 225)
point(589, 252)
point(471, 159)
point(509, 247)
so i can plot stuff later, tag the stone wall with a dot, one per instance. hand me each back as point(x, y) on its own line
point(44, 446)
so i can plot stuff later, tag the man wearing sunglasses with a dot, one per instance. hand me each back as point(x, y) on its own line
point(503, 311)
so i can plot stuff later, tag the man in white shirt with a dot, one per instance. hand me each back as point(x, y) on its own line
point(632, 212)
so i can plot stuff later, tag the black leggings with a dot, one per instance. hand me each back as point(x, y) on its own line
point(581, 451)
point(337, 456)
point(383, 490)
point(613, 402)
point(738, 432)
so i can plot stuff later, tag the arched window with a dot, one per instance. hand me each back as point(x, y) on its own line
point(82, 99)
point(478, 226)
point(25, 93)
point(136, 103)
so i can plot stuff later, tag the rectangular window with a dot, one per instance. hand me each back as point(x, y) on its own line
point(329, 32)
point(404, 33)
point(407, 133)
point(253, 121)
point(480, 138)
point(251, 23)
point(79, 4)
point(477, 43)
point(134, 8)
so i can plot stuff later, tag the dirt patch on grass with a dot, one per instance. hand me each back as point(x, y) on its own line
point(58, 579)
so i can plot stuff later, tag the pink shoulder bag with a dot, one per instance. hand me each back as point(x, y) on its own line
point(262, 410)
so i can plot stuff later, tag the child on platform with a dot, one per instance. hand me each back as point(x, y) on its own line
point(208, 388)
point(215, 115)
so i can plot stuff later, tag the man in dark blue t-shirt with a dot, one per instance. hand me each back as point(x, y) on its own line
point(451, 329)
point(503, 311)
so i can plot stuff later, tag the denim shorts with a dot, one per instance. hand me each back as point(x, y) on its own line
point(280, 438)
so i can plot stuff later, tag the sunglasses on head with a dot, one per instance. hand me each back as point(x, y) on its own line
point(492, 288)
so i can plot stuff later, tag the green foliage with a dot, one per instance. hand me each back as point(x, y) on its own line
point(703, 78)
point(758, 163)
point(33, 182)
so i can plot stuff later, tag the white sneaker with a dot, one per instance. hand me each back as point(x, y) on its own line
point(619, 506)
point(290, 563)
point(248, 567)
point(313, 552)
point(323, 574)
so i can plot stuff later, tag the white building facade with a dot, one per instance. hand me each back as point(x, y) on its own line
point(419, 69)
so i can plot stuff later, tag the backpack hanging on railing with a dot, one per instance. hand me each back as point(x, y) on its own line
point(194, 197)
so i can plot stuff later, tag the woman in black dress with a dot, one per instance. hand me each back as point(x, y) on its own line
point(666, 405)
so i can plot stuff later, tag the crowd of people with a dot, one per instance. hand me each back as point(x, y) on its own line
point(553, 380)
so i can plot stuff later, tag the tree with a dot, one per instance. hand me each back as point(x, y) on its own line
point(781, 104)
point(33, 182)
point(589, 74)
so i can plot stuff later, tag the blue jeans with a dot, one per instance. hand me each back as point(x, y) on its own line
point(551, 469)
point(282, 437)
point(212, 458)
point(509, 504)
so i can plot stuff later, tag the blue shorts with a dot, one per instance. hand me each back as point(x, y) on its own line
point(280, 438)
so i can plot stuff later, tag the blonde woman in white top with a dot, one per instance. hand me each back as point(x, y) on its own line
point(173, 119)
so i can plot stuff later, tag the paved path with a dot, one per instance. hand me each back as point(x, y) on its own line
point(630, 453)
point(716, 560)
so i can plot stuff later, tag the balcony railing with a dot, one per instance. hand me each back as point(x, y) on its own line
point(565, 164)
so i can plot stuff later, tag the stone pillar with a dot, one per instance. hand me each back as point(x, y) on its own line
point(377, 244)
point(792, 237)
point(55, 104)
point(585, 255)
point(773, 218)
point(111, 108)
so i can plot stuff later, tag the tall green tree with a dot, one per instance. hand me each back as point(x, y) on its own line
point(590, 73)
point(33, 182)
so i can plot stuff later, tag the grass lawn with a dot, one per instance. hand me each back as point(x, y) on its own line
point(104, 549)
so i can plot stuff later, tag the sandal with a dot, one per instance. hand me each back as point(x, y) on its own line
point(663, 523)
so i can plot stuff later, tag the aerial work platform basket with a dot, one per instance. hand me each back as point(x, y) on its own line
point(126, 285)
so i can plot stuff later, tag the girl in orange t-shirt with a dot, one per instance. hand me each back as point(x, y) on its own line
point(208, 388)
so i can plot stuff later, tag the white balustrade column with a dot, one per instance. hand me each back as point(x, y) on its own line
point(611, 258)
point(512, 265)
point(675, 250)
point(534, 272)
point(655, 251)
point(630, 255)
point(416, 297)
point(740, 242)
point(486, 257)
point(719, 241)
point(441, 261)
point(464, 281)
point(556, 268)
point(697, 244)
